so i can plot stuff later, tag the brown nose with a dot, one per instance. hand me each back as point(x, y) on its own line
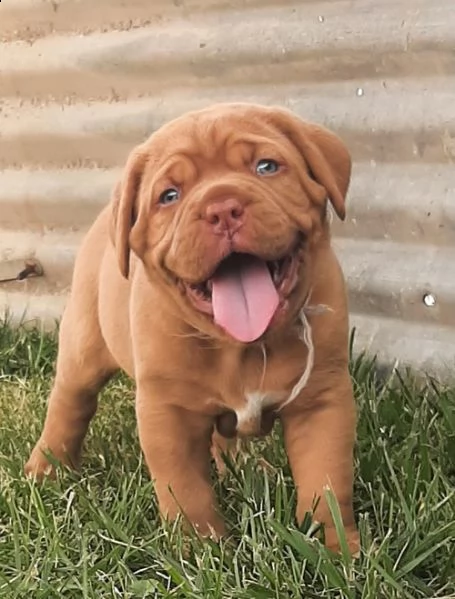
point(225, 215)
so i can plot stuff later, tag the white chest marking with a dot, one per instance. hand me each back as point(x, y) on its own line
point(256, 401)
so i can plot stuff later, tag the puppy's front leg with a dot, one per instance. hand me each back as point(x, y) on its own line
point(319, 433)
point(176, 444)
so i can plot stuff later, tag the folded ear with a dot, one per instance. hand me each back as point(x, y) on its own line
point(324, 153)
point(123, 208)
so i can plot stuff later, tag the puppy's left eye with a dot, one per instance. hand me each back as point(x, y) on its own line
point(267, 166)
point(169, 196)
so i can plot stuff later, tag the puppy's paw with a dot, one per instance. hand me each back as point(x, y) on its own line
point(214, 530)
point(207, 524)
point(352, 538)
point(39, 466)
point(200, 517)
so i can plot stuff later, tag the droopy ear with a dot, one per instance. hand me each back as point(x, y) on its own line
point(123, 208)
point(325, 154)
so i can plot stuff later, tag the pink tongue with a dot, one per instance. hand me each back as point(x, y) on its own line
point(244, 298)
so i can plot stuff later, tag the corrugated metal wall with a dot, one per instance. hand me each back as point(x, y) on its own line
point(81, 82)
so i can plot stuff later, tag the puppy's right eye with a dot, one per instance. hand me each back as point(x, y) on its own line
point(169, 196)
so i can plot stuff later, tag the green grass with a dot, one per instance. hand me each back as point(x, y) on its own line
point(97, 534)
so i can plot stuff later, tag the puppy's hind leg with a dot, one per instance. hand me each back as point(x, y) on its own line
point(223, 447)
point(84, 365)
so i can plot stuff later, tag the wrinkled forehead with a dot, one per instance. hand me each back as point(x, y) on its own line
point(233, 136)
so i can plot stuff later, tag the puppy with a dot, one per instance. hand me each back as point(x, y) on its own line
point(209, 278)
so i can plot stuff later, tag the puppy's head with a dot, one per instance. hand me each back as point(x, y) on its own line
point(224, 206)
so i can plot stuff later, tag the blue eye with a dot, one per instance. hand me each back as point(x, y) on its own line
point(169, 196)
point(267, 166)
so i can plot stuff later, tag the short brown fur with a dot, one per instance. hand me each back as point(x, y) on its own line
point(127, 310)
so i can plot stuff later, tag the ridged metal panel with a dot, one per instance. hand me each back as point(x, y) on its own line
point(82, 82)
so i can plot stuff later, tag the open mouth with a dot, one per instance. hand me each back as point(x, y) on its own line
point(245, 292)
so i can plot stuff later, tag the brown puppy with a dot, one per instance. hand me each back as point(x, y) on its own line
point(204, 280)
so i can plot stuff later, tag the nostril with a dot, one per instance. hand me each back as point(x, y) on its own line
point(214, 219)
point(237, 212)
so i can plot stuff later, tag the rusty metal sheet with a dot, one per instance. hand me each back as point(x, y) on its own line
point(81, 83)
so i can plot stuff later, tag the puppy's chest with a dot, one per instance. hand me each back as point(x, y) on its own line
point(262, 381)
